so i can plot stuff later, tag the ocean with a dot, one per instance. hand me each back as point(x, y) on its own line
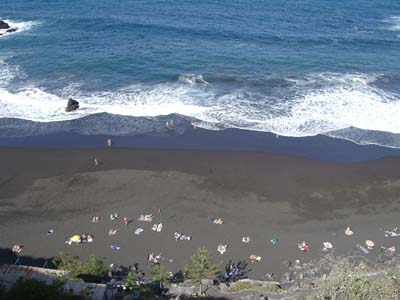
point(291, 67)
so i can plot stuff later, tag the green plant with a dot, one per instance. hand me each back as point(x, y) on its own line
point(201, 267)
point(131, 282)
point(32, 289)
point(3, 292)
point(66, 262)
point(160, 274)
point(94, 266)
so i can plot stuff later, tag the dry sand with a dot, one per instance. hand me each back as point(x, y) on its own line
point(261, 195)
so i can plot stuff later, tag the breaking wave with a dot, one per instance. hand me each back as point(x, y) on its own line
point(393, 23)
point(18, 25)
point(314, 104)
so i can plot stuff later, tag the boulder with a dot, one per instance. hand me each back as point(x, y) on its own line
point(4, 25)
point(72, 105)
point(9, 30)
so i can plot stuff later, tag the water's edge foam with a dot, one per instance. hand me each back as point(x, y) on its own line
point(105, 124)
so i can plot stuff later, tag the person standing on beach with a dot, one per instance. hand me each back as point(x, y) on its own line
point(109, 143)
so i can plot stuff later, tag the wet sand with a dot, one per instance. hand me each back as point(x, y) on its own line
point(262, 195)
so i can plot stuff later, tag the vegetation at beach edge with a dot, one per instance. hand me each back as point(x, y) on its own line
point(348, 285)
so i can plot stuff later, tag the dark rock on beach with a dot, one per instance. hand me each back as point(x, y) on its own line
point(4, 25)
point(72, 105)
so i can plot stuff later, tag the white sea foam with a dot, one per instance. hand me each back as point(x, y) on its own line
point(7, 72)
point(19, 25)
point(316, 104)
point(38, 105)
point(192, 79)
point(393, 23)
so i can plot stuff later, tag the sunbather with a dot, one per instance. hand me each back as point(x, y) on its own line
point(155, 259)
point(182, 237)
point(146, 218)
point(303, 246)
point(113, 216)
point(16, 249)
point(95, 219)
point(113, 231)
point(218, 221)
point(255, 258)
point(392, 232)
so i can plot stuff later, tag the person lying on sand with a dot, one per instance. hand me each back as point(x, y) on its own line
point(218, 221)
point(255, 258)
point(303, 246)
point(155, 259)
point(113, 231)
point(348, 231)
point(392, 232)
point(157, 227)
point(86, 238)
point(114, 216)
point(389, 250)
point(16, 249)
point(95, 219)
point(182, 237)
point(146, 218)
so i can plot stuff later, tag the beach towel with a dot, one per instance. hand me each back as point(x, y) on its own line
point(138, 231)
point(326, 246)
point(76, 238)
point(222, 248)
point(246, 239)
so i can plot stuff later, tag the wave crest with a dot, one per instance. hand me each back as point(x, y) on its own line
point(192, 79)
point(311, 105)
point(19, 25)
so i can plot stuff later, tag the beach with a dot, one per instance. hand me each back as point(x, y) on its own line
point(261, 195)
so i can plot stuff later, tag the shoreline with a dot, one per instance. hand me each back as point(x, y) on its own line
point(318, 147)
point(262, 195)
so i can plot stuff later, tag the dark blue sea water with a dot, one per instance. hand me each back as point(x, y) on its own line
point(292, 67)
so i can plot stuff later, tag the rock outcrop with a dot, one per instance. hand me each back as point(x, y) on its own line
point(72, 105)
point(4, 25)
point(6, 28)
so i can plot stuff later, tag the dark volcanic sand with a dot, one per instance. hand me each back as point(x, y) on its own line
point(256, 194)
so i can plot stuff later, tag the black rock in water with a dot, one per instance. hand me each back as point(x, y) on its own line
point(11, 30)
point(4, 25)
point(72, 105)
